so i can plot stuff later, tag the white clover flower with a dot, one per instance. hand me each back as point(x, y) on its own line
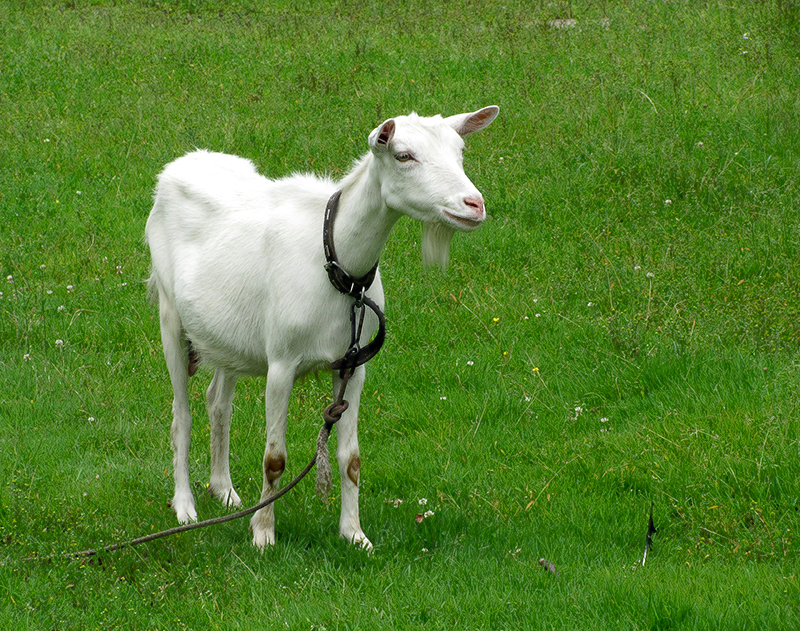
point(470, 363)
point(423, 501)
point(428, 513)
point(59, 343)
point(61, 308)
point(70, 288)
point(667, 202)
point(26, 357)
point(650, 275)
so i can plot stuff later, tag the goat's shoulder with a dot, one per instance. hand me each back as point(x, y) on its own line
point(304, 192)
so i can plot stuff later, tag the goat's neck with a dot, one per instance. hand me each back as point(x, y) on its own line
point(363, 221)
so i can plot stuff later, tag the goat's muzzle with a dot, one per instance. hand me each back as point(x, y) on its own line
point(474, 215)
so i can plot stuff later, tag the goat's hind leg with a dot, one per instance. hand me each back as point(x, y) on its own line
point(219, 398)
point(176, 355)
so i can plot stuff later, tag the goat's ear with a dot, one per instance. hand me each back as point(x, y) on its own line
point(475, 121)
point(382, 136)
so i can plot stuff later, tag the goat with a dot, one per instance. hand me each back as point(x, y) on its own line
point(238, 273)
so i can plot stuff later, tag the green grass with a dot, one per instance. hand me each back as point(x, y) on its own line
point(624, 330)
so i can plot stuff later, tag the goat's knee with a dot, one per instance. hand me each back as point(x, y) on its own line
point(354, 468)
point(274, 466)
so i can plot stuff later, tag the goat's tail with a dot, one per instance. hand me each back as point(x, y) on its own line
point(152, 288)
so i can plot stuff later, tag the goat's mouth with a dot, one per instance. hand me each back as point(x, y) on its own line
point(463, 222)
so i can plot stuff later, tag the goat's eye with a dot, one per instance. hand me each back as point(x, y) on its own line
point(403, 157)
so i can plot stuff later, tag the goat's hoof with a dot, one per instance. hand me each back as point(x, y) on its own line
point(262, 539)
point(186, 516)
point(226, 495)
point(183, 506)
point(263, 526)
point(358, 539)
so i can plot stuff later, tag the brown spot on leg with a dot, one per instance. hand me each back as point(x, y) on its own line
point(353, 469)
point(274, 467)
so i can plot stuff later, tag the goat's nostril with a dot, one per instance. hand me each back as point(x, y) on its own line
point(475, 203)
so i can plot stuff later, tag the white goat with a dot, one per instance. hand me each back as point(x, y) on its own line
point(238, 267)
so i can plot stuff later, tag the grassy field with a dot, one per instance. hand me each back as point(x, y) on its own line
point(624, 331)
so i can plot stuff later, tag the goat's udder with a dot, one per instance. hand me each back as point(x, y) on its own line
point(194, 360)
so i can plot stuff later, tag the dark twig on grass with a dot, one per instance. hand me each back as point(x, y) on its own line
point(651, 530)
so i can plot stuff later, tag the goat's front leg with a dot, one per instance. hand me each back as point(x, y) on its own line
point(349, 459)
point(280, 380)
point(219, 398)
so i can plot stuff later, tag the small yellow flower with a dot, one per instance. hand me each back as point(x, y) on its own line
point(535, 369)
point(495, 319)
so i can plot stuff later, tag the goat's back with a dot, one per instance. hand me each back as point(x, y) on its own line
point(239, 257)
point(202, 188)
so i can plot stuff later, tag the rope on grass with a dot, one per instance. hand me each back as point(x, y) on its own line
point(322, 439)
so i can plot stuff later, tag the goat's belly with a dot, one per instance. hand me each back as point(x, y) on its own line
point(227, 347)
point(254, 360)
point(240, 323)
point(239, 364)
point(247, 345)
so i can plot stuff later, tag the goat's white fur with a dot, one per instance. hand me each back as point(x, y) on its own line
point(238, 271)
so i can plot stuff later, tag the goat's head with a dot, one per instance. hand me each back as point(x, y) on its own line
point(422, 175)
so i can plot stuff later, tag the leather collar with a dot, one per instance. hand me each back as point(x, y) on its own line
point(339, 277)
